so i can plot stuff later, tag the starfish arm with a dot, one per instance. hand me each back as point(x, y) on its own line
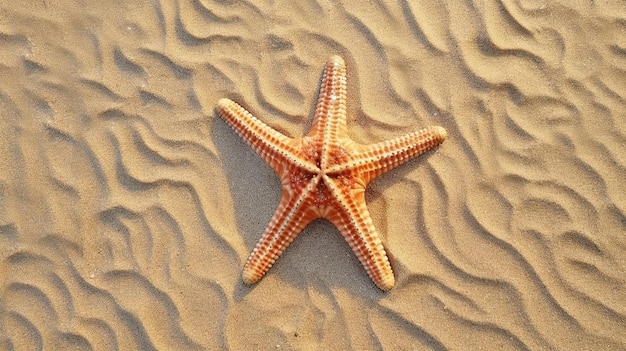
point(376, 159)
point(329, 122)
point(273, 147)
point(291, 216)
point(353, 221)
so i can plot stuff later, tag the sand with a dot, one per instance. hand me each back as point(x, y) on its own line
point(128, 207)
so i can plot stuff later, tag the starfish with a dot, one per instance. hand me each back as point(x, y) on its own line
point(324, 175)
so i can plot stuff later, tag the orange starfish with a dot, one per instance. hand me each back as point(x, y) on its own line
point(324, 175)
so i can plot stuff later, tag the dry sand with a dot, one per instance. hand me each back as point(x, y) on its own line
point(128, 207)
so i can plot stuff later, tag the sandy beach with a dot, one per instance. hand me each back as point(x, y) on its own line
point(128, 207)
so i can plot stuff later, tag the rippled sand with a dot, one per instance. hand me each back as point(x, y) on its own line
point(128, 207)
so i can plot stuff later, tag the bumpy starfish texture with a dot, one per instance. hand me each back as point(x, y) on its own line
point(324, 175)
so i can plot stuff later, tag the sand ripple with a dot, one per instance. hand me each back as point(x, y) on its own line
point(127, 207)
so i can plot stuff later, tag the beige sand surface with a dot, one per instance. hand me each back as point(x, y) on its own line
point(127, 207)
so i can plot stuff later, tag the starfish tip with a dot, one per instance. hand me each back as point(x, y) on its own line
point(387, 283)
point(223, 102)
point(441, 132)
point(337, 60)
point(249, 277)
